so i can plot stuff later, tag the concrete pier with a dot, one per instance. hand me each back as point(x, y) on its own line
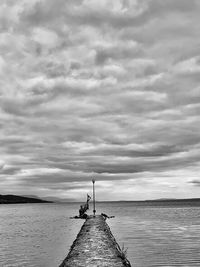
point(95, 246)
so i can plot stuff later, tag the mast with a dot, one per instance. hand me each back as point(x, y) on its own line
point(94, 210)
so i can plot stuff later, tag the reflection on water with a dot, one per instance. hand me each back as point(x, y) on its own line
point(40, 235)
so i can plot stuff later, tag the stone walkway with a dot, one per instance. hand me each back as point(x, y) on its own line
point(94, 246)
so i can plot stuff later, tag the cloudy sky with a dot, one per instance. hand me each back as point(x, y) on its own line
point(100, 89)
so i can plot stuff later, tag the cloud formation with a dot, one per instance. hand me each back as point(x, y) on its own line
point(106, 90)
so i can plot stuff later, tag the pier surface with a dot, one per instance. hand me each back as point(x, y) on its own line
point(95, 246)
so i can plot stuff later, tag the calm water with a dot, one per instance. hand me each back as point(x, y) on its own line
point(40, 235)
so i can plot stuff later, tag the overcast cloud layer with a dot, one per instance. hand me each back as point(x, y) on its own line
point(100, 89)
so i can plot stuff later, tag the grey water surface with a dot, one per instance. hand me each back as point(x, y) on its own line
point(40, 235)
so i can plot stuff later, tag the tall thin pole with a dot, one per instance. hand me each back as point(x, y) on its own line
point(94, 210)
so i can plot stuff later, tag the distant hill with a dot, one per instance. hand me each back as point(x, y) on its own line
point(12, 199)
point(166, 202)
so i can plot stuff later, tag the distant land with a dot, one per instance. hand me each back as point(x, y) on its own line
point(163, 202)
point(13, 199)
point(169, 200)
point(147, 201)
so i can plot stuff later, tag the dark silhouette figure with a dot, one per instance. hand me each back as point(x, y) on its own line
point(84, 208)
point(81, 211)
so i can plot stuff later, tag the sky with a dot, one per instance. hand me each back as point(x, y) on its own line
point(106, 90)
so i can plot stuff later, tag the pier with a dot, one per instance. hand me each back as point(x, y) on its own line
point(95, 246)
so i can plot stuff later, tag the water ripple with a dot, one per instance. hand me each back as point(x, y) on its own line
point(34, 236)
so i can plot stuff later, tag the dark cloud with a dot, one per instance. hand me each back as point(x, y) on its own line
point(195, 182)
point(117, 53)
point(86, 13)
point(9, 170)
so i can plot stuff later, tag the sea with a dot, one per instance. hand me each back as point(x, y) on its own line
point(40, 235)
